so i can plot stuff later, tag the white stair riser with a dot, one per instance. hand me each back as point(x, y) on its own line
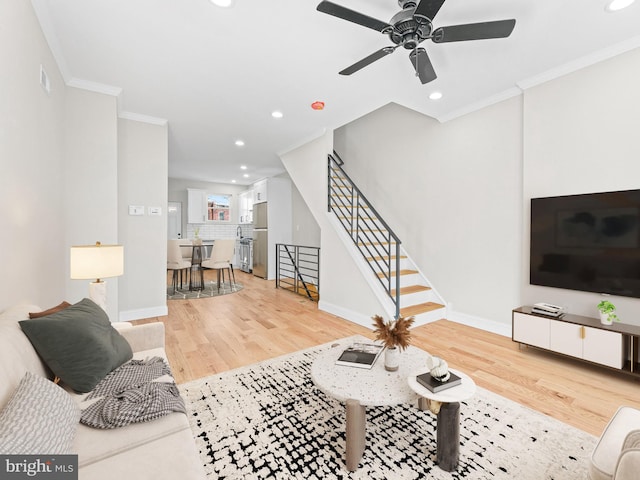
point(379, 265)
point(411, 279)
point(416, 298)
point(428, 317)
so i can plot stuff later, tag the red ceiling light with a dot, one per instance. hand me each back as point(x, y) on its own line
point(317, 105)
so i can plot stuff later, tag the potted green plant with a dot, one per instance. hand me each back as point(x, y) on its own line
point(607, 312)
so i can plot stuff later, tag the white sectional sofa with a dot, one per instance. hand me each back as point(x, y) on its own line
point(159, 449)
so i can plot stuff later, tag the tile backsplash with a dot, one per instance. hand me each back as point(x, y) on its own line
point(218, 230)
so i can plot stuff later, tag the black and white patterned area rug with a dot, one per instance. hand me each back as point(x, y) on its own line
point(268, 421)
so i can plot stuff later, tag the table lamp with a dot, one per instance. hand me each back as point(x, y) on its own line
point(97, 261)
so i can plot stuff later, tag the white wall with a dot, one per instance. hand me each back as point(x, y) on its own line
point(91, 176)
point(142, 180)
point(31, 164)
point(452, 193)
point(343, 289)
point(306, 230)
point(581, 136)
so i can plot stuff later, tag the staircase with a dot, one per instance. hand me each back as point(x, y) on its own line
point(404, 285)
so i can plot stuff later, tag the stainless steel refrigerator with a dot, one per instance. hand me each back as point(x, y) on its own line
point(260, 240)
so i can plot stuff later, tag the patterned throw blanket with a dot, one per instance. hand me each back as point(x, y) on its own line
point(130, 394)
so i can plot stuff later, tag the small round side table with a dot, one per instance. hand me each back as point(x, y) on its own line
point(446, 405)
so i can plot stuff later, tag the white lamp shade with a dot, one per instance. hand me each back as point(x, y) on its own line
point(96, 261)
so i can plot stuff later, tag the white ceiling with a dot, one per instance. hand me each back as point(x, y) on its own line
point(217, 74)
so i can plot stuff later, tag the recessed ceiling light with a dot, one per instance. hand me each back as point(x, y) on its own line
point(277, 114)
point(222, 3)
point(239, 143)
point(435, 95)
point(243, 167)
point(246, 175)
point(233, 181)
point(615, 5)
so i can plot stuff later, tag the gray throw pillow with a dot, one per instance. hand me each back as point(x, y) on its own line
point(39, 419)
point(78, 344)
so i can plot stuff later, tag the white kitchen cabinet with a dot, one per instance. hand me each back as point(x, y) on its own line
point(260, 191)
point(196, 205)
point(245, 206)
point(575, 336)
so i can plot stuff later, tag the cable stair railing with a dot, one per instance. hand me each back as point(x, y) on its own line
point(376, 241)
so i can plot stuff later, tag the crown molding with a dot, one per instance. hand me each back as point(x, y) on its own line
point(484, 103)
point(138, 117)
point(583, 62)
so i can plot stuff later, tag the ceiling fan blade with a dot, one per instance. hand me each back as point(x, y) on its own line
point(422, 64)
point(383, 52)
point(427, 9)
point(474, 31)
point(352, 16)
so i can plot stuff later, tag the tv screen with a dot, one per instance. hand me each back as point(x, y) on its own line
point(587, 242)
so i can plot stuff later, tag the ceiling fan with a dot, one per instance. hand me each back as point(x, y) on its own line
point(410, 27)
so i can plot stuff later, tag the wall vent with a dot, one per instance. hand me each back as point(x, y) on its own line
point(44, 80)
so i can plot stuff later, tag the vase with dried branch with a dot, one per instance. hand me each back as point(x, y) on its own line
point(395, 335)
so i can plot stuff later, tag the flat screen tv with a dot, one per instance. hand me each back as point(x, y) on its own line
point(587, 242)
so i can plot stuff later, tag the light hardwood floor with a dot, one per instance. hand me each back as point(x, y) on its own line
point(207, 336)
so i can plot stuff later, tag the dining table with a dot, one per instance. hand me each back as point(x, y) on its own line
point(196, 272)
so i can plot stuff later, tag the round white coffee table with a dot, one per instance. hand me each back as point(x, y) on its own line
point(358, 388)
point(446, 405)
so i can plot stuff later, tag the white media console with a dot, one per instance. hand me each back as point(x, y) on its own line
point(615, 346)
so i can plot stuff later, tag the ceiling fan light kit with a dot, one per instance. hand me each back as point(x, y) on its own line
point(410, 27)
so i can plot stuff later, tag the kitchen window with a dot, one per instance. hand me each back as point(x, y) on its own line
point(219, 208)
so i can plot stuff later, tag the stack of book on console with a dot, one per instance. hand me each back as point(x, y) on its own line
point(435, 386)
point(360, 355)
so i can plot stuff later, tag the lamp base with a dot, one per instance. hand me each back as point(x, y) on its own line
point(98, 293)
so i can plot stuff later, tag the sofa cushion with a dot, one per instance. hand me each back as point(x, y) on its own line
point(607, 450)
point(17, 355)
point(40, 418)
point(78, 344)
point(632, 440)
point(171, 456)
point(49, 311)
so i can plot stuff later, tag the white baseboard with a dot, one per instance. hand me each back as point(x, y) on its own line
point(462, 318)
point(481, 323)
point(138, 314)
point(346, 314)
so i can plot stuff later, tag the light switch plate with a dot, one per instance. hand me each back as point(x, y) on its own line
point(157, 211)
point(136, 210)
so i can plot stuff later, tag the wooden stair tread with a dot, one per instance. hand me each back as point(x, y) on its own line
point(420, 308)
point(410, 289)
point(402, 272)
